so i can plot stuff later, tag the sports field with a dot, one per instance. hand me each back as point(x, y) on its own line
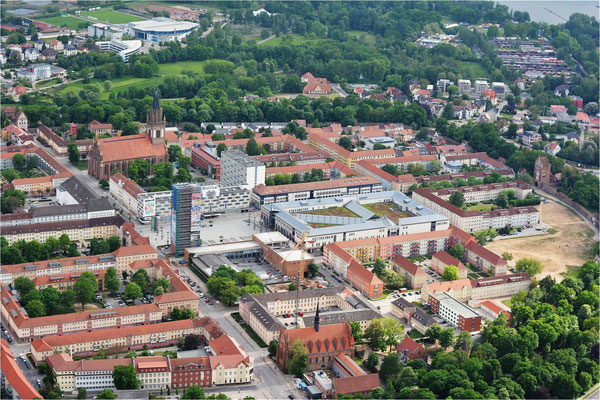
point(69, 22)
point(111, 17)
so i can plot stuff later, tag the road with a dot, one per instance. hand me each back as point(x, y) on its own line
point(593, 393)
point(264, 40)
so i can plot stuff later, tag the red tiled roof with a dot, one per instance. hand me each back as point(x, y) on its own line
point(356, 384)
point(130, 147)
point(130, 186)
point(492, 306)
point(409, 344)
point(328, 338)
point(485, 253)
point(448, 259)
point(356, 269)
point(13, 374)
point(408, 266)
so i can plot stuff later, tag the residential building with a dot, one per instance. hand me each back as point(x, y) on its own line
point(415, 276)
point(99, 129)
point(12, 374)
point(441, 259)
point(60, 145)
point(443, 84)
point(316, 87)
point(481, 86)
point(529, 138)
point(154, 372)
point(347, 157)
point(458, 314)
point(207, 161)
point(190, 371)
point(484, 259)
point(121, 339)
point(482, 288)
point(552, 148)
point(464, 86)
point(70, 50)
point(237, 168)
point(31, 54)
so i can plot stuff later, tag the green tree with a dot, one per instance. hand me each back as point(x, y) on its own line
point(133, 291)
point(357, 333)
point(252, 148)
point(457, 199)
point(529, 265)
point(19, 161)
point(450, 273)
point(379, 268)
point(464, 341)
point(23, 285)
point(292, 287)
point(298, 360)
point(221, 147)
point(393, 280)
point(273, 348)
point(141, 278)
point(10, 174)
point(193, 392)
point(114, 242)
point(73, 152)
point(313, 269)
point(346, 143)
point(390, 366)
point(446, 337)
point(174, 152)
point(506, 256)
point(372, 362)
point(375, 334)
point(105, 394)
point(84, 288)
point(111, 280)
point(81, 393)
point(35, 308)
point(124, 377)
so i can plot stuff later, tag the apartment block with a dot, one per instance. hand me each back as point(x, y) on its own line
point(238, 168)
point(458, 314)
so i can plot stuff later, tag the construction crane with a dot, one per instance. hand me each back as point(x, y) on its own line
point(552, 12)
point(302, 244)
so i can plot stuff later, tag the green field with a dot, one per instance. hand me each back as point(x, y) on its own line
point(477, 69)
point(285, 39)
point(122, 84)
point(69, 22)
point(111, 17)
point(482, 207)
point(369, 37)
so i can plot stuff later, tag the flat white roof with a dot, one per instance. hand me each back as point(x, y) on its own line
point(163, 25)
point(224, 248)
point(295, 255)
point(271, 237)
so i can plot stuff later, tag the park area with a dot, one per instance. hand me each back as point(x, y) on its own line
point(568, 244)
point(111, 17)
point(69, 22)
point(387, 209)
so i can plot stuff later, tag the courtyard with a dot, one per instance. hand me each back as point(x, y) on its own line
point(387, 209)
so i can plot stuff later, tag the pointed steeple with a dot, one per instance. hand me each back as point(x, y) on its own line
point(156, 102)
point(316, 324)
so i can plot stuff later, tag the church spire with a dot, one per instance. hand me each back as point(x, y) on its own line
point(156, 102)
point(317, 319)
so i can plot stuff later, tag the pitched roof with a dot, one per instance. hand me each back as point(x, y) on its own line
point(134, 250)
point(356, 269)
point(485, 253)
point(264, 190)
point(410, 345)
point(448, 259)
point(130, 147)
point(356, 384)
point(13, 374)
point(408, 266)
point(335, 337)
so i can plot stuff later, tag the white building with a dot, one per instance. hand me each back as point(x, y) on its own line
point(238, 169)
point(481, 86)
point(464, 85)
point(31, 54)
point(443, 84)
point(385, 141)
point(125, 48)
point(161, 29)
point(99, 30)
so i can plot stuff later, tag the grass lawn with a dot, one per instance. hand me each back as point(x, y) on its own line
point(368, 37)
point(477, 69)
point(482, 207)
point(123, 83)
point(387, 209)
point(414, 334)
point(507, 302)
point(112, 17)
point(69, 22)
point(334, 212)
point(82, 165)
point(283, 39)
point(49, 82)
point(237, 317)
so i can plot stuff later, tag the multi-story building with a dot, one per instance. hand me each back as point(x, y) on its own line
point(207, 161)
point(109, 32)
point(124, 48)
point(153, 372)
point(482, 288)
point(13, 376)
point(295, 219)
point(137, 201)
point(346, 157)
point(481, 86)
point(464, 86)
point(484, 259)
point(441, 259)
point(121, 339)
point(28, 329)
point(303, 158)
point(456, 313)
point(184, 219)
point(60, 145)
point(238, 168)
point(415, 276)
point(262, 194)
point(261, 311)
point(191, 371)
point(64, 282)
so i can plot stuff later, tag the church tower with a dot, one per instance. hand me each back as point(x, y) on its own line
point(155, 123)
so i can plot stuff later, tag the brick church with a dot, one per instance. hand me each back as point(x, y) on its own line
point(108, 154)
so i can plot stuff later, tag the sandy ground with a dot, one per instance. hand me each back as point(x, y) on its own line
point(569, 246)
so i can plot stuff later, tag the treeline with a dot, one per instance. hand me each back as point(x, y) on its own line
point(548, 349)
point(22, 251)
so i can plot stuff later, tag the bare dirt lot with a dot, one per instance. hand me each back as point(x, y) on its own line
point(570, 244)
